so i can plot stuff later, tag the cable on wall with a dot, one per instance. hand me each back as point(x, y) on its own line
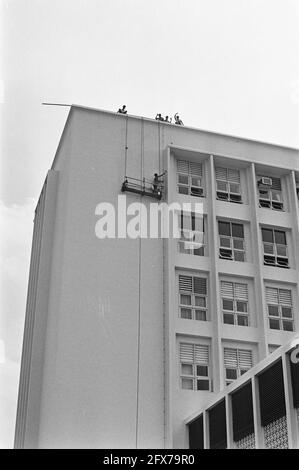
point(139, 287)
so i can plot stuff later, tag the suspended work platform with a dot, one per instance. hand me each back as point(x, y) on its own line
point(152, 188)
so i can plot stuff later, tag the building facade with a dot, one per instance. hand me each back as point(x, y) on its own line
point(126, 337)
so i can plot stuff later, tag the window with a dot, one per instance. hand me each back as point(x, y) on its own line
point(280, 309)
point(269, 193)
point(193, 298)
point(236, 363)
point(228, 184)
point(231, 241)
point(190, 178)
point(192, 234)
point(234, 298)
point(194, 367)
point(275, 248)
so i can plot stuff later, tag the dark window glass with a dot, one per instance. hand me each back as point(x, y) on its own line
point(280, 237)
point(267, 235)
point(231, 374)
point(202, 371)
point(228, 304)
point(227, 318)
point(238, 230)
point(203, 385)
point(224, 228)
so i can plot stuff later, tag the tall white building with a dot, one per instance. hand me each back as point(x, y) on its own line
point(126, 338)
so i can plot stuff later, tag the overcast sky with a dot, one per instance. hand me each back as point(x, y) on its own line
point(229, 66)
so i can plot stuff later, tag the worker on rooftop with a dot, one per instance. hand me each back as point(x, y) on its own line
point(177, 120)
point(122, 110)
point(167, 119)
point(159, 117)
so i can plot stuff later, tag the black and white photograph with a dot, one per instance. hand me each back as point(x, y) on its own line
point(149, 227)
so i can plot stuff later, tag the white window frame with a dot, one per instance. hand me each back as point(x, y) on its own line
point(235, 312)
point(230, 243)
point(275, 251)
point(238, 368)
point(280, 318)
point(191, 240)
point(192, 307)
point(268, 200)
point(194, 377)
point(226, 194)
point(191, 171)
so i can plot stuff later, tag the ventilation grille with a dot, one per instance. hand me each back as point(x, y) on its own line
point(247, 442)
point(192, 168)
point(276, 434)
point(278, 296)
point(234, 290)
point(217, 426)
point(227, 174)
point(194, 353)
point(197, 285)
point(242, 410)
point(235, 358)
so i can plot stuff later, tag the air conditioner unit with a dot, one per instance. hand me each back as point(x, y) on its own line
point(225, 253)
point(223, 196)
point(265, 181)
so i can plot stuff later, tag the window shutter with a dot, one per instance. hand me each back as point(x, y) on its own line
point(241, 291)
point(217, 426)
point(276, 184)
point(186, 352)
point(227, 289)
point(271, 391)
point(182, 166)
point(200, 285)
point(272, 295)
point(201, 354)
point(185, 283)
point(233, 175)
point(285, 297)
point(245, 358)
point(196, 437)
point(196, 169)
point(221, 173)
point(230, 357)
point(242, 410)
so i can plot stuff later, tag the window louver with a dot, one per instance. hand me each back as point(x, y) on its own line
point(230, 357)
point(186, 352)
point(194, 353)
point(182, 166)
point(217, 426)
point(227, 289)
point(272, 295)
point(197, 285)
point(201, 354)
point(196, 438)
point(241, 358)
point(242, 411)
point(196, 169)
point(245, 358)
point(193, 168)
point(279, 296)
point(271, 391)
point(185, 283)
point(241, 291)
point(227, 174)
point(200, 285)
point(285, 297)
